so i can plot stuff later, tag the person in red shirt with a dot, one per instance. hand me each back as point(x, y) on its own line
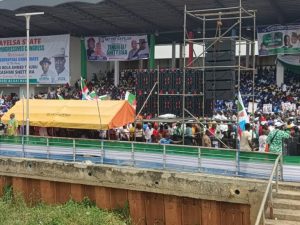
point(212, 130)
point(155, 134)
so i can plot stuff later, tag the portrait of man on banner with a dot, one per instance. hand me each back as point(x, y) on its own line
point(143, 51)
point(287, 41)
point(48, 75)
point(90, 50)
point(132, 55)
point(62, 72)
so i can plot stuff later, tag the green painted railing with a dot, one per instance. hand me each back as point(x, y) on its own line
point(192, 151)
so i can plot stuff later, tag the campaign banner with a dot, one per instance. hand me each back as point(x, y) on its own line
point(267, 108)
point(48, 60)
point(287, 106)
point(278, 39)
point(117, 48)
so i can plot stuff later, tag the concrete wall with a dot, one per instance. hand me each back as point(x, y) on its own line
point(183, 185)
point(145, 208)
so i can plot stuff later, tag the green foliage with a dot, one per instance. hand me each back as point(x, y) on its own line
point(124, 213)
point(14, 211)
point(87, 202)
point(7, 193)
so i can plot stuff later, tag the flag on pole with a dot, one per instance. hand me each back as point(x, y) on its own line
point(84, 90)
point(131, 98)
point(242, 115)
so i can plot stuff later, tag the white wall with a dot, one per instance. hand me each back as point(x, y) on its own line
point(75, 59)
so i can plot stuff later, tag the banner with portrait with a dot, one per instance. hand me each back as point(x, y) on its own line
point(267, 108)
point(117, 48)
point(277, 39)
point(48, 61)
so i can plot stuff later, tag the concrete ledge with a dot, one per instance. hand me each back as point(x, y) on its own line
point(193, 185)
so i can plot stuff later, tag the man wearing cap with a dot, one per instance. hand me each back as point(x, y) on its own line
point(276, 136)
point(48, 75)
point(62, 73)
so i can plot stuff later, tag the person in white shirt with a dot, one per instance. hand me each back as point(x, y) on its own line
point(124, 133)
point(246, 139)
point(148, 133)
point(262, 141)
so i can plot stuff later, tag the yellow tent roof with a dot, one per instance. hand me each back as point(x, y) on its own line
point(75, 114)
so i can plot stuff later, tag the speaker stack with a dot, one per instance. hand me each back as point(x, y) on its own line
point(219, 73)
point(145, 79)
point(170, 91)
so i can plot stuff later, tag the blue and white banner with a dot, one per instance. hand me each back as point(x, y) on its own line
point(49, 60)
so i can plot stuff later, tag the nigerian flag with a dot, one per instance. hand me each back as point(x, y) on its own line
point(131, 98)
point(84, 90)
point(242, 114)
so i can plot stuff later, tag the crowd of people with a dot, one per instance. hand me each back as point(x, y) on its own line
point(101, 86)
point(220, 131)
point(265, 90)
point(262, 133)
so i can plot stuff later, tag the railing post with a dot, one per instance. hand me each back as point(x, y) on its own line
point(74, 150)
point(23, 146)
point(48, 152)
point(281, 166)
point(237, 162)
point(132, 155)
point(263, 217)
point(164, 157)
point(102, 152)
point(277, 178)
point(199, 159)
point(271, 202)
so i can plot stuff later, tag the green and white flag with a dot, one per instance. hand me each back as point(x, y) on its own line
point(131, 98)
point(84, 90)
point(92, 96)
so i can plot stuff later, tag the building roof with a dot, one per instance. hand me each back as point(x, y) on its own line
point(115, 17)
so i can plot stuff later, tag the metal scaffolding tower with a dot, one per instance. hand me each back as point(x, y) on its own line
point(233, 23)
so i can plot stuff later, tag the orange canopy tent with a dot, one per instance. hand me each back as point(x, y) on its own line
point(76, 114)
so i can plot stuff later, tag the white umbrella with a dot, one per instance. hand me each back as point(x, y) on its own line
point(16, 4)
